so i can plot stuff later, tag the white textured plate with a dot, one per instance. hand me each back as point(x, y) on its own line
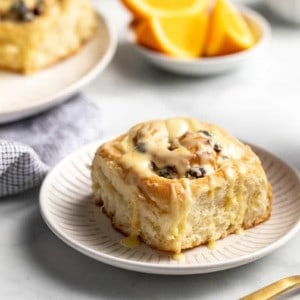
point(209, 65)
point(67, 207)
point(22, 96)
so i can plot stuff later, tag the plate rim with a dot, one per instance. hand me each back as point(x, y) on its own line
point(163, 269)
point(63, 94)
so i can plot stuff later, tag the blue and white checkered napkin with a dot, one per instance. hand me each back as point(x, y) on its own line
point(29, 148)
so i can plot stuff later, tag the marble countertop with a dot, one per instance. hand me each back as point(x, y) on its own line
point(259, 104)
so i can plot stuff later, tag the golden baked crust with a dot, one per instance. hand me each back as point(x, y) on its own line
point(179, 183)
point(38, 33)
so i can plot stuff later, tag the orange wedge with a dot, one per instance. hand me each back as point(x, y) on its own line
point(179, 36)
point(161, 8)
point(228, 31)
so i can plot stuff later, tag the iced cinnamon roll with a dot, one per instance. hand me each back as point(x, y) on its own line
point(180, 183)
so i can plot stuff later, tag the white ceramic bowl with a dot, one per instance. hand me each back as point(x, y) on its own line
point(214, 65)
point(289, 10)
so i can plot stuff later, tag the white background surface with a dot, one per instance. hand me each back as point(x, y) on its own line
point(258, 103)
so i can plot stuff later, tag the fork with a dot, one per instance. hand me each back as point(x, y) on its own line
point(274, 289)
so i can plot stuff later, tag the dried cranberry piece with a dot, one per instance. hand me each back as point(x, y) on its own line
point(39, 8)
point(197, 172)
point(168, 172)
point(141, 147)
point(217, 147)
point(205, 132)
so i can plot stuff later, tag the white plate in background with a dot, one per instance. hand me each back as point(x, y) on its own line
point(22, 96)
point(67, 207)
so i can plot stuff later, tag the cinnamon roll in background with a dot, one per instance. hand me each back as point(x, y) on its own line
point(35, 34)
point(179, 183)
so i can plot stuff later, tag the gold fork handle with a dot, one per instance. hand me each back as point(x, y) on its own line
point(274, 289)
